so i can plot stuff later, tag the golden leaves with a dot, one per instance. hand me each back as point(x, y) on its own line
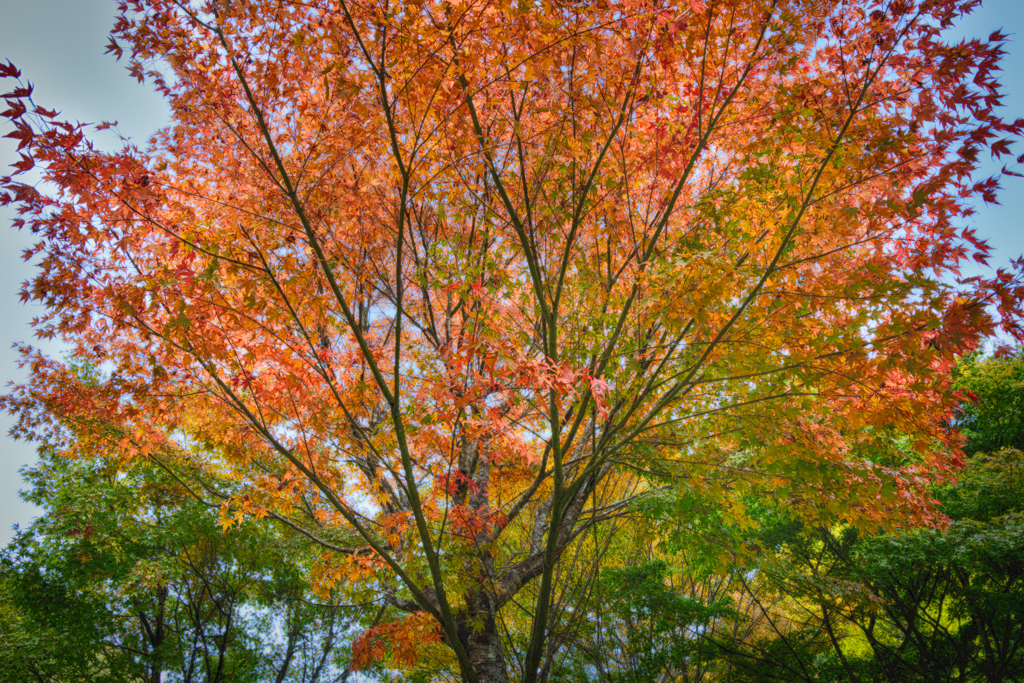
point(400, 642)
point(329, 570)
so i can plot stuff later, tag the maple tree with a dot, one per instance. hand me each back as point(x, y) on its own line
point(447, 285)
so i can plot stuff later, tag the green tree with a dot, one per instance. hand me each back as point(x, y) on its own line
point(648, 630)
point(952, 598)
point(993, 417)
point(127, 577)
point(925, 604)
point(918, 604)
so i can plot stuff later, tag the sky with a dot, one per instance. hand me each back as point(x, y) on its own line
point(59, 45)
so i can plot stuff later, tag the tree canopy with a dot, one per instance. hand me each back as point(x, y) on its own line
point(448, 287)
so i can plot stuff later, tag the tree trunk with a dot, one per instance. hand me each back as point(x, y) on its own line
point(483, 645)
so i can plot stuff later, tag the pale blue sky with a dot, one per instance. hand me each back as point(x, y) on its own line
point(59, 44)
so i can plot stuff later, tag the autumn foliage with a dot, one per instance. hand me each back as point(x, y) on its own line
point(447, 285)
